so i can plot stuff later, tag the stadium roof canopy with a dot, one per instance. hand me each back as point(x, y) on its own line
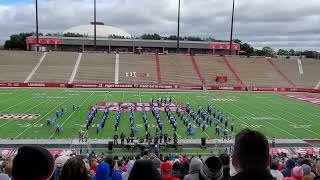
point(102, 31)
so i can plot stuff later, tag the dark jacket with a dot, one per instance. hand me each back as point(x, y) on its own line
point(253, 176)
point(226, 173)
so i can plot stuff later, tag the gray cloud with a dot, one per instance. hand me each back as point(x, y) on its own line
point(279, 24)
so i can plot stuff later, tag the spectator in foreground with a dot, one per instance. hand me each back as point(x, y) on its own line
point(307, 174)
point(317, 170)
point(103, 172)
point(212, 169)
point(125, 175)
point(176, 170)
point(166, 169)
point(225, 159)
point(194, 168)
point(144, 169)
point(32, 162)
point(251, 156)
point(290, 164)
point(74, 168)
point(296, 174)
point(274, 170)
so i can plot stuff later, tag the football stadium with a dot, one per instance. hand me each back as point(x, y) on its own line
point(107, 103)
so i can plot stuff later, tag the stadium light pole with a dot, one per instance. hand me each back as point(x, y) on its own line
point(95, 24)
point(231, 34)
point(37, 27)
point(178, 36)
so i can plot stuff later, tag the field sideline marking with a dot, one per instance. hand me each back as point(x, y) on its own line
point(73, 113)
point(53, 109)
point(288, 120)
point(23, 113)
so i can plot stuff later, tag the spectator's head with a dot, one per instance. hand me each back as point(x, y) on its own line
point(103, 172)
point(166, 168)
point(225, 159)
point(8, 168)
point(297, 172)
point(317, 168)
point(176, 166)
point(290, 163)
point(185, 167)
point(305, 161)
point(74, 168)
point(251, 152)
point(212, 169)
point(195, 166)
point(60, 161)
point(143, 169)
point(157, 163)
point(32, 162)
point(274, 165)
point(306, 169)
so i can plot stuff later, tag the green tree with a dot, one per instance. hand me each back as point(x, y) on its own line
point(69, 34)
point(268, 51)
point(194, 38)
point(291, 52)
point(151, 36)
point(17, 41)
point(283, 52)
point(237, 41)
point(113, 36)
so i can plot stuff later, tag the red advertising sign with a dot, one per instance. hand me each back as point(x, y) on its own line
point(32, 40)
point(225, 46)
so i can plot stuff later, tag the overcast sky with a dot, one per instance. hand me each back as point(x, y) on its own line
point(276, 23)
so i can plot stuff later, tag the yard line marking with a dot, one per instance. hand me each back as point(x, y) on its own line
point(17, 104)
point(53, 109)
point(140, 97)
point(104, 99)
point(222, 109)
point(122, 96)
point(267, 122)
point(298, 103)
point(10, 99)
point(73, 113)
point(286, 119)
point(298, 110)
point(23, 113)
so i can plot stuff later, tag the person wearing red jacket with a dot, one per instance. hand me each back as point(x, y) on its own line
point(166, 169)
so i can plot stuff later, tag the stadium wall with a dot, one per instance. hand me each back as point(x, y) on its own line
point(152, 86)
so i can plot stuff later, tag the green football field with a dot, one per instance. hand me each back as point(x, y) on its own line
point(271, 113)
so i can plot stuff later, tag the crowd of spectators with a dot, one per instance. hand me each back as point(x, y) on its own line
point(250, 160)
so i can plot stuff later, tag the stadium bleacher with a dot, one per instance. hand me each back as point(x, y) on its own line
point(257, 72)
point(56, 67)
point(178, 69)
point(96, 68)
point(212, 67)
point(15, 66)
point(137, 69)
point(310, 67)
point(143, 69)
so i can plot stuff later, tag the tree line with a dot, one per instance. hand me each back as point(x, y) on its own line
point(18, 42)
